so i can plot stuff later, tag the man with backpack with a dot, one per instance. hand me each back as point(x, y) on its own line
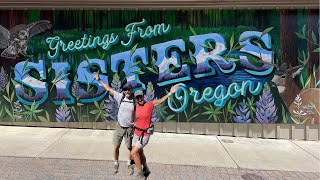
point(124, 126)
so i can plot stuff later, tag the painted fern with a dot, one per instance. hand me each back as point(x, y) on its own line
point(149, 97)
point(63, 113)
point(4, 79)
point(266, 108)
point(243, 113)
point(110, 104)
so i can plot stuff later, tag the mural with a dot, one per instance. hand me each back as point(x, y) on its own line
point(232, 66)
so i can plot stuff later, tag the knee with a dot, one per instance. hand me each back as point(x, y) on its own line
point(116, 148)
point(134, 154)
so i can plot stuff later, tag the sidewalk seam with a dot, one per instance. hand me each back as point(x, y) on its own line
point(304, 150)
point(53, 143)
point(228, 153)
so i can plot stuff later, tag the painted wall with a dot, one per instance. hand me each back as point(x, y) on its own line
point(241, 66)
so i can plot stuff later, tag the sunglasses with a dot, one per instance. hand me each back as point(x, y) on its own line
point(139, 96)
point(126, 89)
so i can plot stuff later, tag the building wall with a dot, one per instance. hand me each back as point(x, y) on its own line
point(232, 66)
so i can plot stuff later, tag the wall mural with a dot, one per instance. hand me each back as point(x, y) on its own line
point(233, 66)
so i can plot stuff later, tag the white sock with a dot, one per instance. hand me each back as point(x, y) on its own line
point(129, 162)
point(116, 162)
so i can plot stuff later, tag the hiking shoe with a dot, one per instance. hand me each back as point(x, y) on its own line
point(130, 169)
point(116, 168)
point(140, 175)
point(146, 171)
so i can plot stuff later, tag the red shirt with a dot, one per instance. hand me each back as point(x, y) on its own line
point(143, 115)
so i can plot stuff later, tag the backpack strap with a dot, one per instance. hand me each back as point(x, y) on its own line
point(123, 96)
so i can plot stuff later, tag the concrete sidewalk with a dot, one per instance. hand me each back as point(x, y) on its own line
point(177, 149)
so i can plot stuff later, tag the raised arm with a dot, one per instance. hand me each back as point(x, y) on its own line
point(108, 88)
point(159, 101)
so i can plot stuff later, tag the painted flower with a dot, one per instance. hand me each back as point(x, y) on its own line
point(243, 114)
point(4, 79)
point(110, 104)
point(266, 108)
point(63, 113)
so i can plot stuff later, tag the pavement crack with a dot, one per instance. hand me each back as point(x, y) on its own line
point(53, 143)
point(305, 150)
point(228, 153)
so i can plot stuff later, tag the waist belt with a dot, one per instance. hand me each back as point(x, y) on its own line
point(126, 130)
point(142, 134)
point(123, 127)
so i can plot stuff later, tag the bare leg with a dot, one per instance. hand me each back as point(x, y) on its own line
point(116, 153)
point(129, 153)
point(142, 158)
point(135, 156)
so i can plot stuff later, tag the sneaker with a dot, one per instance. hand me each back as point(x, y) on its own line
point(140, 175)
point(146, 171)
point(130, 169)
point(116, 168)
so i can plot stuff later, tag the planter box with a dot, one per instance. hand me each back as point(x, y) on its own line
point(158, 126)
point(22, 123)
point(6, 123)
point(212, 129)
point(184, 128)
point(226, 129)
point(73, 124)
point(269, 131)
point(32, 124)
point(298, 131)
point(255, 130)
point(111, 125)
point(170, 127)
point(101, 125)
point(198, 128)
point(60, 124)
point(241, 130)
point(312, 132)
point(85, 125)
point(284, 131)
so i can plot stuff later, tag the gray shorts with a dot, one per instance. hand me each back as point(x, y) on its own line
point(136, 141)
point(120, 133)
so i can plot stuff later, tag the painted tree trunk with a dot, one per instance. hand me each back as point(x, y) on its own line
point(313, 20)
point(16, 17)
point(48, 15)
point(289, 53)
point(83, 26)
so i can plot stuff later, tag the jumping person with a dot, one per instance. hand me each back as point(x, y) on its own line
point(124, 126)
point(141, 130)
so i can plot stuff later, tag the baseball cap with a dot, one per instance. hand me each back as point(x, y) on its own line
point(127, 87)
point(138, 93)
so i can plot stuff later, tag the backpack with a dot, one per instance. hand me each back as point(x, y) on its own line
point(134, 102)
point(134, 109)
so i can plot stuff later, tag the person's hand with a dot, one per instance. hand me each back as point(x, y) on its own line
point(96, 75)
point(174, 88)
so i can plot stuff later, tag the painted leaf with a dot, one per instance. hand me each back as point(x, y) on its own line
point(152, 70)
point(138, 72)
point(244, 39)
point(316, 50)
point(304, 29)
point(301, 36)
point(192, 30)
point(133, 50)
point(314, 38)
point(266, 31)
point(43, 119)
point(231, 41)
